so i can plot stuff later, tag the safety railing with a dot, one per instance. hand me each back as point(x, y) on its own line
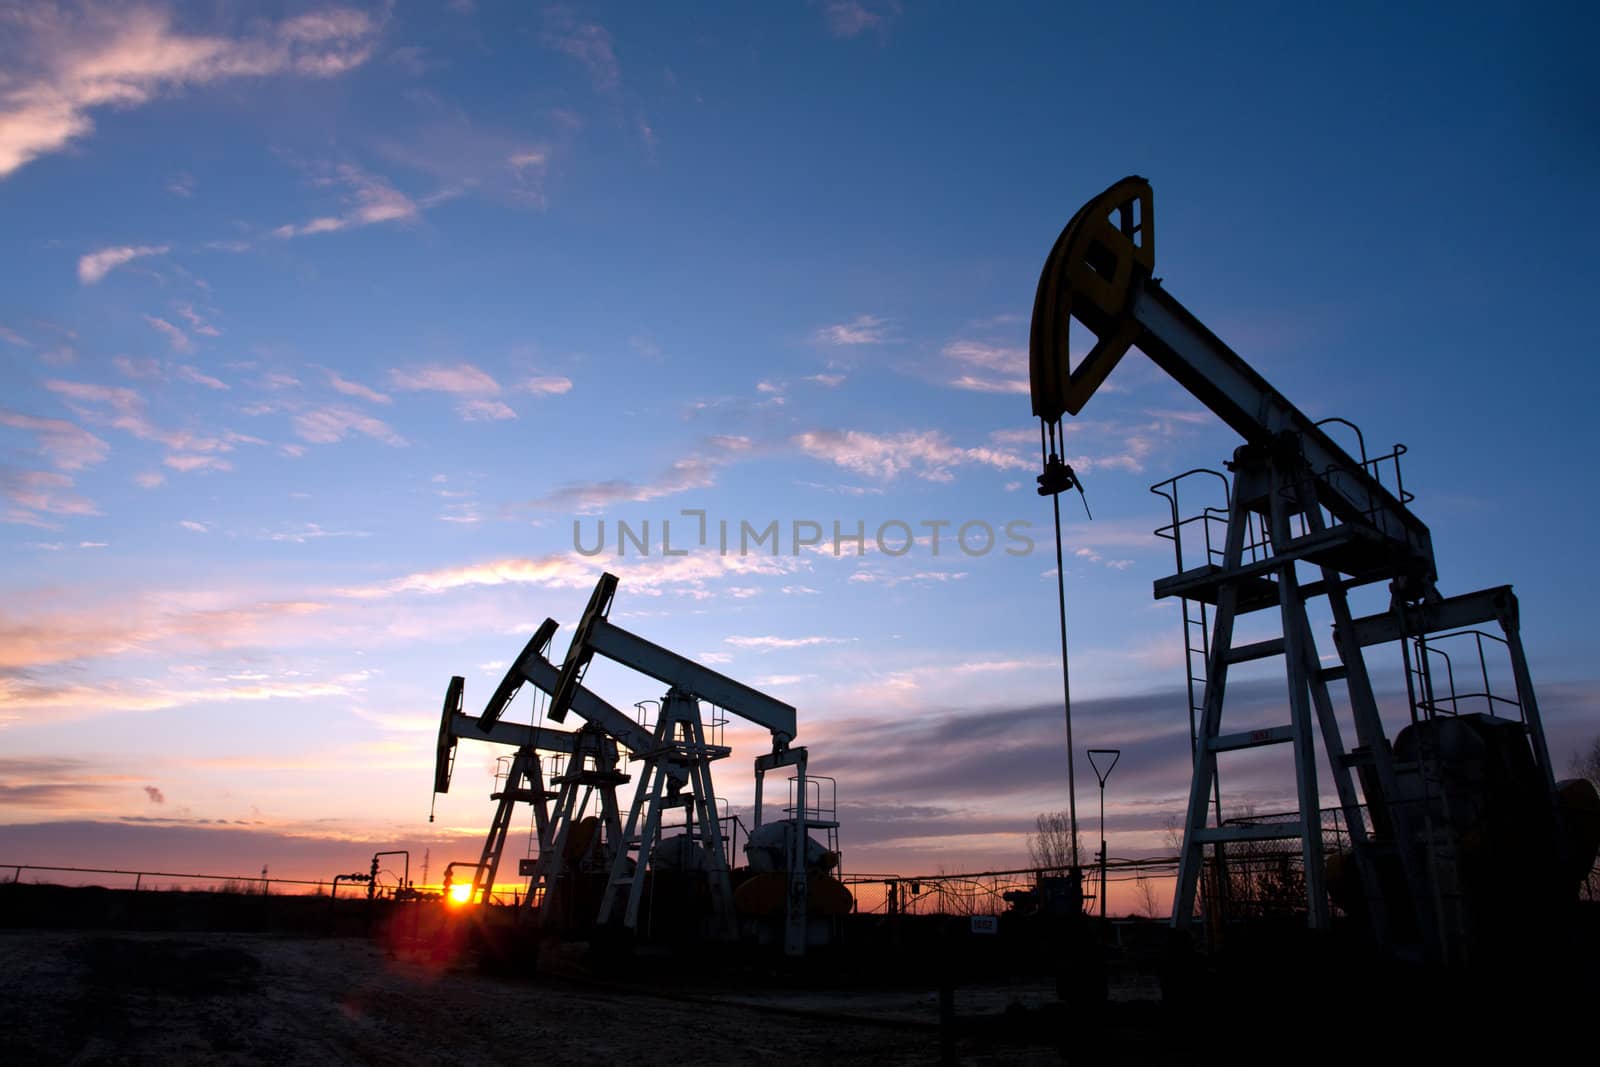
point(1430, 699)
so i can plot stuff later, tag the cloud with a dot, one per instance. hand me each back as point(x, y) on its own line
point(17, 695)
point(144, 623)
point(556, 571)
point(329, 425)
point(695, 471)
point(371, 198)
point(459, 378)
point(484, 411)
point(355, 389)
point(179, 461)
point(311, 532)
point(829, 381)
point(35, 493)
point(195, 376)
point(122, 408)
point(155, 795)
point(767, 643)
point(927, 453)
point(862, 330)
point(976, 384)
point(67, 445)
point(547, 386)
point(587, 42)
point(96, 265)
point(149, 479)
point(196, 323)
point(867, 577)
point(72, 61)
point(175, 337)
point(850, 18)
point(690, 573)
point(194, 527)
point(1001, 369)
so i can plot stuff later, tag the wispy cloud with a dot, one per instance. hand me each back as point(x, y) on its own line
point(928, 454)
point(890, 580)
point(34, 494)
point(67, 445)
point(122, 408)
point(697, 470)
point(18, 695)
point(587, 42)
point(484, 410)
point(371, 200)
point(553, 385)
point(861, 330)
point(310, 531)
point(850, 18)
point(474, 386)
point(769, 643)
point(987, 368)
point(195, 376)
point(175, 337)
point(147, 622)
point(329, 425)
point(459, 378)
point(355, 389)
point(179, 461)
point(196, 321)
point(96, 265)
point(74, 60)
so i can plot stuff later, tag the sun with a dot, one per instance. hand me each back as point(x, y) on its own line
point(460, 894)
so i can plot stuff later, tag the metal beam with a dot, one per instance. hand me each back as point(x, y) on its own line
point(628, 733)
point(1463, 612)
point(1182, 346)
point(664, 665)
point(1261, 831)
point(511, 734)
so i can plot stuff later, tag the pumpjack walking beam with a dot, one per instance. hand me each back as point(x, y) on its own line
point(1320, 508)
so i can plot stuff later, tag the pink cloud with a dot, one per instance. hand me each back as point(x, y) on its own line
point(74, 62)
point(928, 454)
point(328, 425)
point(460, 378)
point(355, 389)
point(96, 265)
point(67, 445)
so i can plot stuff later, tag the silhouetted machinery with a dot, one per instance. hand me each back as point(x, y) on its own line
point(1462, 813)
point(593, 863)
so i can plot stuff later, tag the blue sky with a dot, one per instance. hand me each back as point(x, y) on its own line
point(322, 326)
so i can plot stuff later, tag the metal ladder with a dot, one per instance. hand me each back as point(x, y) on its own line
point(1274, 518)
point(680, 746)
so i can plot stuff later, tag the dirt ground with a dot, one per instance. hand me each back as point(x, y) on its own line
point(226, 998)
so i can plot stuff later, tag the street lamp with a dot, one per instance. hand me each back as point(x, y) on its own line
point(1113, 754)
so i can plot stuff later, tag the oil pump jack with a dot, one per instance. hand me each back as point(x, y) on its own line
point(1299, 501)
point(680, 748)
point(561, 803)
point(676, 754)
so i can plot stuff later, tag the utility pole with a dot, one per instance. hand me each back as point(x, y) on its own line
point(1113, 754)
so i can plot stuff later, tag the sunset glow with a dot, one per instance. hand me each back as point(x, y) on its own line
point(332, 335)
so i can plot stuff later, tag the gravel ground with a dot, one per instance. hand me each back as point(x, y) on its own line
point(129, 998)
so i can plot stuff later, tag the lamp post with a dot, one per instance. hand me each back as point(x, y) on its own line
point(1113, 754)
